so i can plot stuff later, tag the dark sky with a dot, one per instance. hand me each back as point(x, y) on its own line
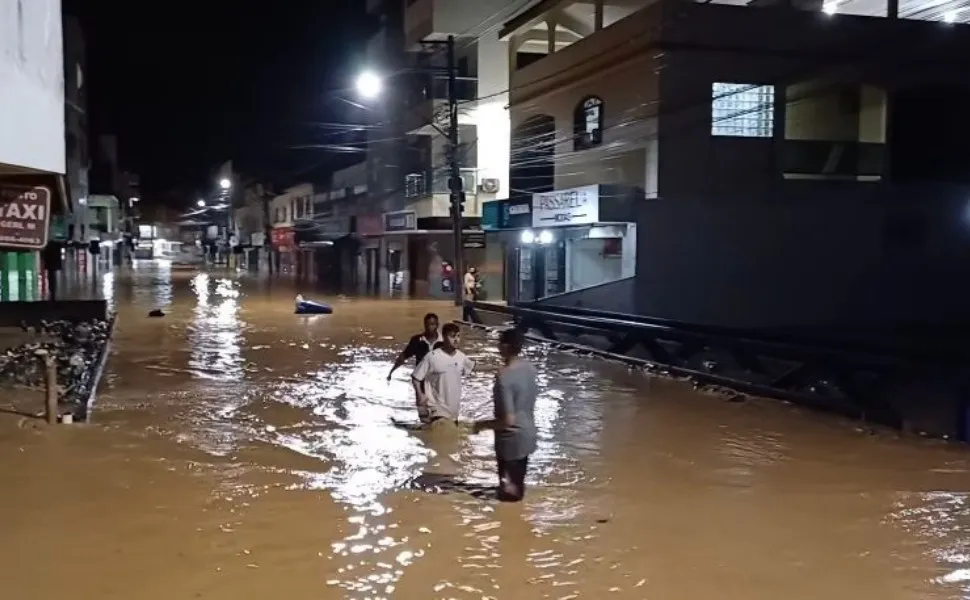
point(188, 85)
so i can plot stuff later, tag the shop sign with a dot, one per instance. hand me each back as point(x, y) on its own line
point(335, 227)
point(284, 237)
point(405, 220)
point(492, 215)
point(370, 225)
point(24, 217)
point(473, 240)
point(576, 206)
point(517, 214)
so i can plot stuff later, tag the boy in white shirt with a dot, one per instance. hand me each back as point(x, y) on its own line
point(437, 379)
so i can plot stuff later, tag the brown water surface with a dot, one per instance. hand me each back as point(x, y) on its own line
point(239, 451)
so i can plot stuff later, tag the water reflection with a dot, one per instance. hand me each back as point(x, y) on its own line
point(269, 457)
point(108, 289)
point(215, 334)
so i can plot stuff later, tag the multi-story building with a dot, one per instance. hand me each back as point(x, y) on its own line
point(330, 230)
point(410, 175)
point(32, 143)
point(286, 209)
point(778, 158)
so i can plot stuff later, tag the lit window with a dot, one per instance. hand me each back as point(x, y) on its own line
point(588, 123)
point(742, 110)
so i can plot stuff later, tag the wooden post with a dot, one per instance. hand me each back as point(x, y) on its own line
point(51, 411)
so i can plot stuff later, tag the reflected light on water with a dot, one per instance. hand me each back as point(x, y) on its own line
point(632, 485)
point(108, 289)
point(215, 333)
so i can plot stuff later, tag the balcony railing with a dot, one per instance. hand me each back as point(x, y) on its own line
point(418, 185)
point(423, 89)
point(836, 160)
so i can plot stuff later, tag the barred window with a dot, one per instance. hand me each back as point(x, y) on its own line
point(742, 110)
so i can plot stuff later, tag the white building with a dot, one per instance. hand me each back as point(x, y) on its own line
point(32, 140)
point(31, 87)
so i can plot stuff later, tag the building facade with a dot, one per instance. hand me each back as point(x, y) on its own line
point(32, 140)
point(407, 218)
point(293, 205)
point(78, 155)
point(776, 157)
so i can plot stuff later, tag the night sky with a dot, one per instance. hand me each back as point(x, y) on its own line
point(188, 85)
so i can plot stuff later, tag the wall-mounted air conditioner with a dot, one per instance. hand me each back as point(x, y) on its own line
point(490, 185)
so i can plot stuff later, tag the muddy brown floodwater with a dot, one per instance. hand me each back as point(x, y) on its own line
point(239, 451)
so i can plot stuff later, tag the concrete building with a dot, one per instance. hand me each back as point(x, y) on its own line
point(78, 155)
point(32, 141)
point(286, 209)
point(777, 160)
point(330, 231)
point(410, 206)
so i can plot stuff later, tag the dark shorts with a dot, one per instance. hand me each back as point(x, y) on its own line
point(514, 471)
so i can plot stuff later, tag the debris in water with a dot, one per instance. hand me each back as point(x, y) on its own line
point(75, 348)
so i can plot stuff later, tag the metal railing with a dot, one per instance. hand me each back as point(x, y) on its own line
point(861, 375)
point(419, 185)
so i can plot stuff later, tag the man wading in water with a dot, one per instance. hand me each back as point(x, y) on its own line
point(419, 346)
point(514, 394)
point(438, 379)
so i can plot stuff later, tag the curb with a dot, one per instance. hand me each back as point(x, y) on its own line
point(94, 379)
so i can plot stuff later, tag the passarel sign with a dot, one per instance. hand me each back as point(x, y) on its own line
point(576, 206)
point(25, 214)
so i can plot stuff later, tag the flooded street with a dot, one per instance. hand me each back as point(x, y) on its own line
point(239, 451)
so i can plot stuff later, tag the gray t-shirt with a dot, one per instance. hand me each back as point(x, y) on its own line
point(515, 392)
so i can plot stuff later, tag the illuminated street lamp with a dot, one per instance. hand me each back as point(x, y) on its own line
point(369, 85)
point(200, 203)
point(225, 184)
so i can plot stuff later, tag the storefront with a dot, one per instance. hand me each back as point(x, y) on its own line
point(284, 243)
point(397, 229)
point(328, 252)
point(370, 232)
point(567, 240)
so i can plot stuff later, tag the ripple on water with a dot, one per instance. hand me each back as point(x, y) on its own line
point(634, 491)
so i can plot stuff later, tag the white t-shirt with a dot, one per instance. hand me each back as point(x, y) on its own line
point(470, 283)
point(441, 373)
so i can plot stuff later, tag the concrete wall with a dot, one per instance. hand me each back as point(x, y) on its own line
point(31, 85)
point(615, 66)
point(878, 257)
point(727, 239)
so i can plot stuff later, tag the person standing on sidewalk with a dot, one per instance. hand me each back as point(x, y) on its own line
point(470, 283)
point(516, 438)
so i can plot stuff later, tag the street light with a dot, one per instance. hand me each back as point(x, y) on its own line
point(225, 184)
point(369, 85)
point(200, 203)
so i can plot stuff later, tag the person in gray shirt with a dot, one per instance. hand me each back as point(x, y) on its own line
point(514, 394)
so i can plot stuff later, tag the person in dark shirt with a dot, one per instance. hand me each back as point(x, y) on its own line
point(418, 347)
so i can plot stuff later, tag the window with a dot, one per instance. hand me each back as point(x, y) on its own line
point(742, 110)
point(588, 123)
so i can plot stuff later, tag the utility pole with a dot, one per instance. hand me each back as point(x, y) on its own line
point(267, 229)
point(455, 182)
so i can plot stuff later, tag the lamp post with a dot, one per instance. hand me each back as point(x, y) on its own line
point(225, 185)
point(369, 86)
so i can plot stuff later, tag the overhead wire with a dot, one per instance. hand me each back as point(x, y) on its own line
point(521, 144)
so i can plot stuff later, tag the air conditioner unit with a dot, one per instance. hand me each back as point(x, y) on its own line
point(490, 185)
